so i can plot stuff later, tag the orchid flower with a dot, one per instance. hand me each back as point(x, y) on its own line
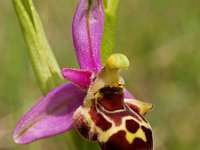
point(96, 102)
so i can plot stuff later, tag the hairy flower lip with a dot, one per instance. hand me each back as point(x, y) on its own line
point(105, 114)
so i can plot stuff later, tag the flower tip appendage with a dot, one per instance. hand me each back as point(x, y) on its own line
point(118, 61)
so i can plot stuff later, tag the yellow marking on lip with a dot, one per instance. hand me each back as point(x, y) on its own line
point(103, 136)
point(139, 134)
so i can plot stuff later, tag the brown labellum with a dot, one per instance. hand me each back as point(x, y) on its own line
point(106, 116)
point(114, 123)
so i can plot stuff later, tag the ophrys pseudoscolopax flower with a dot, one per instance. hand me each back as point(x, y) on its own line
point(96, 102)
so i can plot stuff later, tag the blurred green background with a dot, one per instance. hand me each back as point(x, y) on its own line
point(161, 39)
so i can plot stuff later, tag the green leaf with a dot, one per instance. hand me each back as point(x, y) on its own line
point(108, 41)
point(42, 58)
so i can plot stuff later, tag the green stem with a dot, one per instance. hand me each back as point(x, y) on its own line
point(108, 41)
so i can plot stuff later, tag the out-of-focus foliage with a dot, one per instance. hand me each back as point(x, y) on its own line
point(161, 39)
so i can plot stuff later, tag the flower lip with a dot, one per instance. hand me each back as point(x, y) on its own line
point(106, 114)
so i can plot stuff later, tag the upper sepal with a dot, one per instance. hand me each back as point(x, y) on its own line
point(87, 30)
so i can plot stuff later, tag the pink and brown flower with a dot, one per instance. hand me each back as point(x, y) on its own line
point(95, 102)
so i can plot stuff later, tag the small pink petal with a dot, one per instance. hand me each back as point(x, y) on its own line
point(51, 116)
point(88, 26)
point(80, 77)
